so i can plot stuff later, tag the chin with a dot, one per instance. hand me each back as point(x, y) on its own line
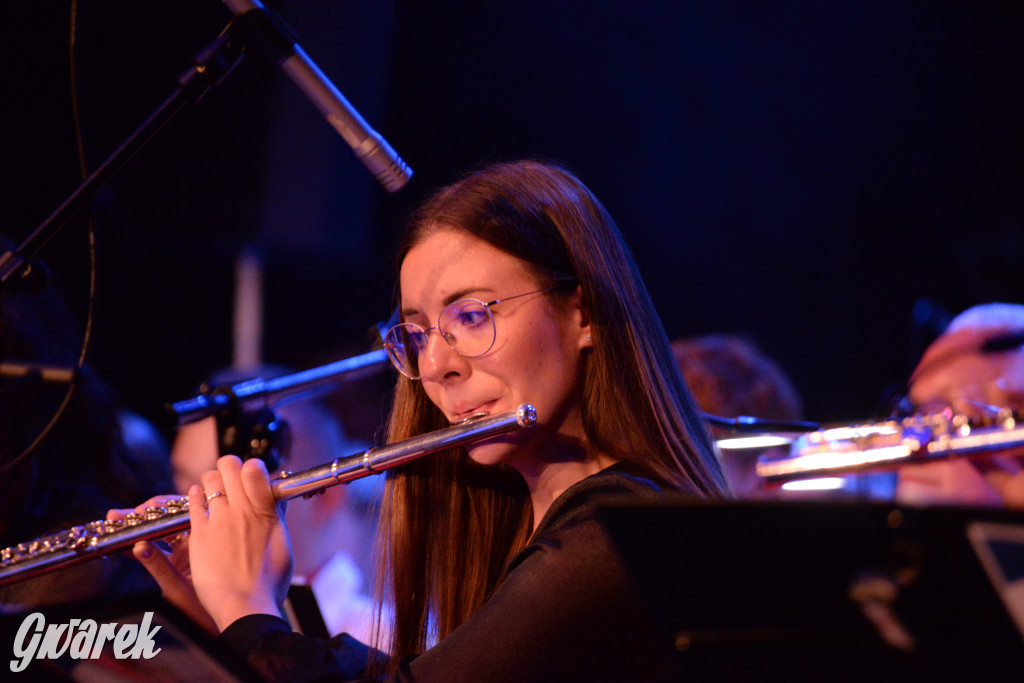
point(490, 452)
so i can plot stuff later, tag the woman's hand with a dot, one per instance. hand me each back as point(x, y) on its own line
point(241, 561)
point(170, 569)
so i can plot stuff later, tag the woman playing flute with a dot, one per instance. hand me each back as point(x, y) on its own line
point(515, 287)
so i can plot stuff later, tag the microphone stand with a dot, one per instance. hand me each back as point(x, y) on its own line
point(259, 394)
point(247, 424)
point(745, 423)
point(210, 68)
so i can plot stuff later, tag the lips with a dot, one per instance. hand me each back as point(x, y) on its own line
point(464, 412)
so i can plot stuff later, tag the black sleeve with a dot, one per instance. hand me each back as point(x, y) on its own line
point(272, 650)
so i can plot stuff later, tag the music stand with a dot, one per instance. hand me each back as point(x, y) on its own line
point(829, 590)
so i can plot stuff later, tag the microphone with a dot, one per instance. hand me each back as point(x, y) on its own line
point(272, 38)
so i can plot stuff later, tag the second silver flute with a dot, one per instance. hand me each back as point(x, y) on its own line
point(101, 538)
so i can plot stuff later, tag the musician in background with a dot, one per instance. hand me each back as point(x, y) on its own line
point(729, 377)
point(975, 368)
point(515, 287)
point(331, 533)
point(81, 467)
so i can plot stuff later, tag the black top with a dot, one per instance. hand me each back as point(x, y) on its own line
point(564, 611)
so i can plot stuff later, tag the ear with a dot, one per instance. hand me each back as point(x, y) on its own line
point(580, 319)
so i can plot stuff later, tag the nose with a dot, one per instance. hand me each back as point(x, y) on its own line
point(438, 361)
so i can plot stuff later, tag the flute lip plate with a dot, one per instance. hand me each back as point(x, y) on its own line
point(526, 416)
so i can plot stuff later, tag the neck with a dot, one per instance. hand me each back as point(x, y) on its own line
point(547, 479)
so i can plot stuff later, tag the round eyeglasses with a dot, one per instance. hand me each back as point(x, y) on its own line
point(467, 326)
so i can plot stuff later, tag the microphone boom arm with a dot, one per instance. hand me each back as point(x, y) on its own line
point(279, 390)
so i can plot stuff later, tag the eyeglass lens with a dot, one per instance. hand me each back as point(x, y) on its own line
point(467, 326)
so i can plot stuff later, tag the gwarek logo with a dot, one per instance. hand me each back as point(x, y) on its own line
point(81, 639)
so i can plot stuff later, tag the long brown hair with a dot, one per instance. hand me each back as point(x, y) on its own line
point(448, 525)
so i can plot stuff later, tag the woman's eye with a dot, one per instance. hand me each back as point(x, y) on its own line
point(417, 340)
point(471, 318)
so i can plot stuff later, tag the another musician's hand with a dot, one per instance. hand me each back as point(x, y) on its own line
point(241, 560)
point(994, 481)
point(1013, 491)
point(1005, 474)
point(947, 482)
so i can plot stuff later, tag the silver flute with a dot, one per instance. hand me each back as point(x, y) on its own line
point(915, 440)
point(105, 537)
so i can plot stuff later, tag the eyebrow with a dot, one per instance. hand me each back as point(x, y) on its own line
point(453, 297)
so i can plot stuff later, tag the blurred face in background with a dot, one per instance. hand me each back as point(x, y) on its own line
point(194, 452)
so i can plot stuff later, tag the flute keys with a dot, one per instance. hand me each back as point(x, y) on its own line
point(154, 513)
point(134, 518)
point(98, 527)
point(78, 537)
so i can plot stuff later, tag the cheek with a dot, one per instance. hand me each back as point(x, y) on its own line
point(551, 365)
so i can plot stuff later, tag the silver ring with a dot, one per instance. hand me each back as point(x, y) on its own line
point(213, 495)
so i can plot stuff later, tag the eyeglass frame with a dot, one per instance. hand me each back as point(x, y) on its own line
point(487, 307)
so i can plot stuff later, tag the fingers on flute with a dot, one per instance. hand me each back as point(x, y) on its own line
point(176, 587)
point(228, 470)
point(256, 482)
point(119, 513)
point(213, 489)
point(156, 562)
point(197, 507)
point(155, 501)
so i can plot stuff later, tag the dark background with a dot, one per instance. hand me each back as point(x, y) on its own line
point(802, 173)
